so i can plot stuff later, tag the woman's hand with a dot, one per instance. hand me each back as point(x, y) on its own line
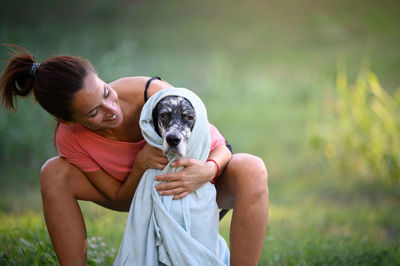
point(151, 157)
point(194, 174)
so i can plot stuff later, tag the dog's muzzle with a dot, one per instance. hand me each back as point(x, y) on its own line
point(173, 140)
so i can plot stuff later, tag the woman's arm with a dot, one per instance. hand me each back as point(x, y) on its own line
point(122, 192)
point(195, 173)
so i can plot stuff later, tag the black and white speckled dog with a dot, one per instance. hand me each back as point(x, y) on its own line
point(173, 119)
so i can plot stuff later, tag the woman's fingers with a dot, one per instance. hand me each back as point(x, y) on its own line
point(183, 162)
point(151, 157)
point(177, 185)
point(158, 163)
point(181, 183)
point(177, 176)
point(163, 160)
point(159, 166)
point(180, 195)
point(174, 191)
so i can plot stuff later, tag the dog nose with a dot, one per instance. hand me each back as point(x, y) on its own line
point(173, 140)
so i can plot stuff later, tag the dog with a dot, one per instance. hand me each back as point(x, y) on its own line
point(174, 118)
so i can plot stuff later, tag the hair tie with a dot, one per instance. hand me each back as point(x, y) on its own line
point(33, 69)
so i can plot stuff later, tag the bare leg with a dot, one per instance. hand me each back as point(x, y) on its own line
point(244, 187)
point(62, 185)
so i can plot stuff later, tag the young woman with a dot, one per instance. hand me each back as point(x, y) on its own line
point(102, 155)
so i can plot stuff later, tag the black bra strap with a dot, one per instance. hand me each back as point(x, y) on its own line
point(147, 86)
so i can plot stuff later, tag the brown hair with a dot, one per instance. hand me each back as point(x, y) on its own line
point(54, 82)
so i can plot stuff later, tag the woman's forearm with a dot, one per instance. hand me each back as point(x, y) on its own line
point(148, 157)
point(127, 189)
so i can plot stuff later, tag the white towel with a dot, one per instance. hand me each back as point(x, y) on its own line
point(162, 231)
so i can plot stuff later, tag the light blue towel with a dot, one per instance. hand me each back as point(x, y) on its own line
point(160, 230)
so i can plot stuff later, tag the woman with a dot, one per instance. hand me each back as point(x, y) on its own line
point(93, 115)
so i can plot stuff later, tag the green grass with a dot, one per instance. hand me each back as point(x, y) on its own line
point(333, 222)
point(26, 241)
point(265, 70)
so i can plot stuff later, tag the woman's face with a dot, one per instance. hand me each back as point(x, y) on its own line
point(96, 105)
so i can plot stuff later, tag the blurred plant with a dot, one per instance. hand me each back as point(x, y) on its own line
point(99, 253)
point(23, 246)
point(26, 246)
point(363, 136)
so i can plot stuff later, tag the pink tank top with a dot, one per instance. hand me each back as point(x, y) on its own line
point(91, 152)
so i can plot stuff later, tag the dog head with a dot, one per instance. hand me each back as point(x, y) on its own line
point(173, 119)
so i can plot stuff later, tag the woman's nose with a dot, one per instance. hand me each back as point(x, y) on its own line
point(110, 107)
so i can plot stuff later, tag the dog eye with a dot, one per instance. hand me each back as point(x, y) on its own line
point(164, 115)
point(189, 117)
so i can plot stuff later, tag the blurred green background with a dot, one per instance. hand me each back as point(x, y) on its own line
point(267, 72)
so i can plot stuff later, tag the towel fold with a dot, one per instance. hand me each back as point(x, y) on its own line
point(162, 231)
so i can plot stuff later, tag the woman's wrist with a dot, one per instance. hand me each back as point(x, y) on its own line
point(219, 156)
point(215, 170)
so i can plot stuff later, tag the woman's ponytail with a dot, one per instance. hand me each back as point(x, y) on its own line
point(54, 82)
point(17, 78)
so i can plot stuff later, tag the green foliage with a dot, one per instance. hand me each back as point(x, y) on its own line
point(363, 137)
point(25, 241)
point(23, 246)
point(26, 134)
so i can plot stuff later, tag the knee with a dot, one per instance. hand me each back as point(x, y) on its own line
point(53, 176)
point(258, 175)
point(254, 181)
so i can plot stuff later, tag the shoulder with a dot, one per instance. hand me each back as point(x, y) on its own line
point(63, 132)
point(67, 134)
point(128, 87)
point(69, 146)
point(67, 138)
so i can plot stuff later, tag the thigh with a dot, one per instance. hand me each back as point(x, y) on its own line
point(58, 175)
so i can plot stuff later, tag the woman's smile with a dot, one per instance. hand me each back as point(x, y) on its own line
point(112, 118)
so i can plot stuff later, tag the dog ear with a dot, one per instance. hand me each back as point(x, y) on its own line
point(155, 119)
